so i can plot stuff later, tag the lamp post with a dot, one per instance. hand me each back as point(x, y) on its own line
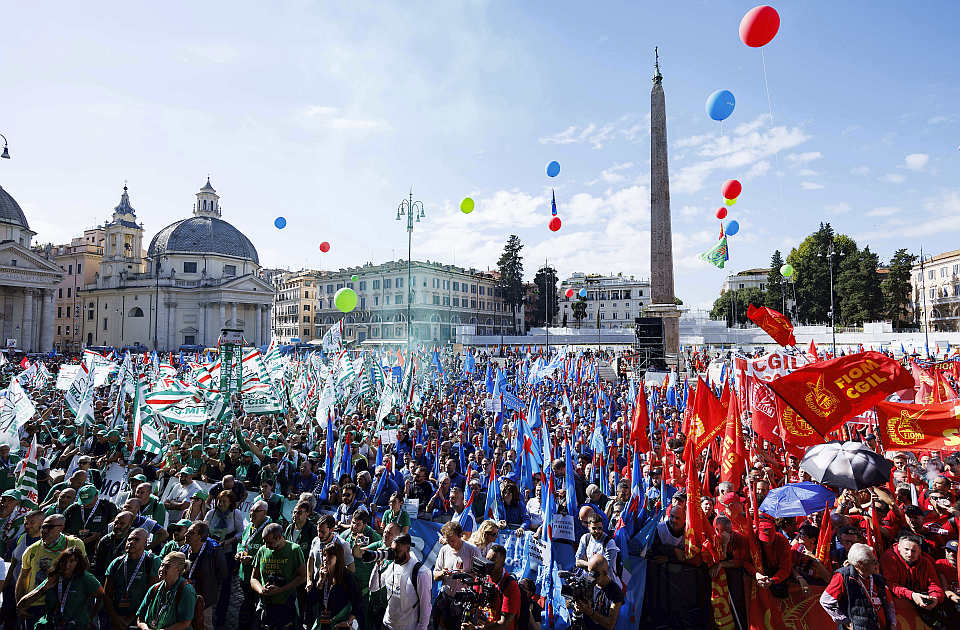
point(6, 154)
point(413, 210)
point(831, 252)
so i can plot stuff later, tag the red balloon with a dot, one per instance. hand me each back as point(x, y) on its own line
point(554, 224)
point(759, 26)
point(731, 189)
point(721, 213)
point(324, 247)
point(569, 293)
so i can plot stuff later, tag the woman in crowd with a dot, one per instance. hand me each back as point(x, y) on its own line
point(334, 592)
point(71, 594)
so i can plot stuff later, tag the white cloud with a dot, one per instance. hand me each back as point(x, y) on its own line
point(693, 141)
point(614, 173)
point(806, 172)
point(883, 211)
point(758, 170)
point(627, 127)
point(811, 186)
point(327, 117)
point(860, 170)
point(916, 161)
point(893, 178)
point(939, 120)
point(804, 158)
point(838, 208)
point(749, 144)
point(943, 217)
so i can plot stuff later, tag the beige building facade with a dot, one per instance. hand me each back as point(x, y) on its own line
point(79, 261)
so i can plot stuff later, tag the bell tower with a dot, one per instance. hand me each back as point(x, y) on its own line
point(208, 202)
point(123, 240)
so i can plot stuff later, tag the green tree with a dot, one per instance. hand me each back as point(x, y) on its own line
point(732, 306)
point(897, 290)
point(547, 303)
point(579, 309)
point(775, 283)
point(812, 275)
point(510, 266)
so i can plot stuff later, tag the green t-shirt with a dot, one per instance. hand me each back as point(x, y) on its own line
point(279, 567)
point(161, 609)
point(156, 510)
point(170, 545)
point(75, 594)
point(129, 583)
point(54, 489)
point(7, 478)
point(363, 569)
point(401, 518)
point(77, 517)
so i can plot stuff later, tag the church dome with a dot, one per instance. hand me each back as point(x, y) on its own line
point(10, 211)
point(202, 235)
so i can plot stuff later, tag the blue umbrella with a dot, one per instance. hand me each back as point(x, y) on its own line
point(797, 499)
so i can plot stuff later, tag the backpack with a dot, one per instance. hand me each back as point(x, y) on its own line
point(197, 623)
point(617, 570)
point(414, 575)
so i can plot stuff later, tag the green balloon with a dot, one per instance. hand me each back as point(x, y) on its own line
point(345, 300)
point(354, 277)
point(787, 270)
point(466, 206)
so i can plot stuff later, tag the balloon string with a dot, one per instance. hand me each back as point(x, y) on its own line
point(776, 154)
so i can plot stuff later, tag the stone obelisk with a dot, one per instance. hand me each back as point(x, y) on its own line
point(661, 235)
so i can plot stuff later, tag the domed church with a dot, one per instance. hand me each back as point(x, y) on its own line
point(27, 282)
point(200, 274)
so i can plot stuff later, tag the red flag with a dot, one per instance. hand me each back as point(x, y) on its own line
point(733, 452)
point(763, 402)
point(640, 423)
point(905, 427)
point(693, 537)
point(708, 418)
point(813, 351)
point(774, 323)
point(924, 381)
point(824, 542)
point(830, 392)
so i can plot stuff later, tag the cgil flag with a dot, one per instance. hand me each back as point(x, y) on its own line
point(774, 323)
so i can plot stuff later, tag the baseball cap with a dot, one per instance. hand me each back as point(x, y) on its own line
point(87, 493)
point(951, 546)
point(186, 470)
point(203, 495)
point(14, 494)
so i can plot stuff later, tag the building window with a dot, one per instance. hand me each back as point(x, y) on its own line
point(481, 289)
point(329, 288)
point(68, 329)
point(933, 293)
point(60, 293)
point(363, 303)
point(306, 320)
point(306, 308)
point(59, 313)
point(446, 300)
point(68, 291)
point(456, 286)
point(473, 304)
point(136, 311)
point(363, 285)
point(104, 323)
point(70, 270)
point(376, 300)
point(456, 301)
point(387, 300)
point(376, 284)
point(436, 300)
point(90, 316)
point(473, 288)
point(229, 270)
point(69, 311)
point(400, 283)
point(190, 267)
point(58, 331)
point(398, 299)
point(386, 283)
point(930, 274)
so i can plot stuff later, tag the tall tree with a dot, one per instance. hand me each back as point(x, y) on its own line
point(811, 270)
point(775, 283)
point(579, 309)
point(897, 290)
point(510, 266)
point(547, 302)
point(732, 305)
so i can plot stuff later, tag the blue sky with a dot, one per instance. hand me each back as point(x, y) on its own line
point(327, 112)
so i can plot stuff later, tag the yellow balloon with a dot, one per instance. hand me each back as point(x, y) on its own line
point(730, 202)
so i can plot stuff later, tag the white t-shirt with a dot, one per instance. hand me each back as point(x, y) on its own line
point(316, 551)
point(402, 612)
point(179, 495)
point(456, 561)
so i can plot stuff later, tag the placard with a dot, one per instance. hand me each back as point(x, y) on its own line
point(563, 527)
point(116, 488)
point(411, 507)
point(66, 375)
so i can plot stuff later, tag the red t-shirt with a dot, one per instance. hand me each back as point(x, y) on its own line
point(509, 592)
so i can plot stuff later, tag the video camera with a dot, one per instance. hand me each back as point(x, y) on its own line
point(576, 587)
point(377, 555)
point(478, 591)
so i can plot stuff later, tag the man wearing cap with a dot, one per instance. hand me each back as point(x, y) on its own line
point(150, 505)
point(179, 500)
point(777, 560)
point(247, 471)
point(178, 535)
point(7, 463)
point(408, 594)
point(88, 518)
point(947, 571)
point(127, 579)
point(11, 522)
point(273, 500)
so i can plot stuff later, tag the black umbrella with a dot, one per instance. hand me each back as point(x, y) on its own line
point(846, 465)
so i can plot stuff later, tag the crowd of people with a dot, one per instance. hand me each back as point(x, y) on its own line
point(245, 522)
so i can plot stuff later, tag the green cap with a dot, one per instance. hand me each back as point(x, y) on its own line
point(87, 493)
point(183, 522)
point(14, 494)
point(196, 447)
point(186, 470)
point(113, 433)
point(203, 495)
point(259, 440)
point(313, 455)
point(248, 453)
point(273, 436)
point(267, 451)
point(139, 478)
point(280, 449)
point(176, 443)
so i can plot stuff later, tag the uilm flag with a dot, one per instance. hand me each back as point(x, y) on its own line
point(828, 393)
point(774, 323)
point(733, 452)
point(904, 427)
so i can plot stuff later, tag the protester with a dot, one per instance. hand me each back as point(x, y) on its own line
point(171, 602)
point(69, 592)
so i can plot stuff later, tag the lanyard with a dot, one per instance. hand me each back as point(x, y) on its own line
point(126, 568)
point(63, 595)
point(869, 591)
point(248, 541)
point(326, 595)
point(193, 565)
point(89, 516)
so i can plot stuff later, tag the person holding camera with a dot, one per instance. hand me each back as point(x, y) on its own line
point(70, 594)
point(456, 556)
point(408, 587)
point(911, 576)
point(171, 602)
point(501, 608)
point(602, 611)
point(278, 571)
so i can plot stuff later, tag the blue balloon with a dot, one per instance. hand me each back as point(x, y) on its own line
point(280, 223)
point(553, 169)
point(720, 104)
point(732, 228)
point(583, 293)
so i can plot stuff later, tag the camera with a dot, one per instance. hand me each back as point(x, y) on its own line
point(377, 555)
point(274, 579)
point(478, 593)
point(361, 541)
point(576, 587)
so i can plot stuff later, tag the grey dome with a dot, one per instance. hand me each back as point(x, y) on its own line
point(202, 235)
point(10, 211)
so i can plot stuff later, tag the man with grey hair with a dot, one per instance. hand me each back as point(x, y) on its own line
point(278, 571)
point(857, 596)
point(250, 544)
